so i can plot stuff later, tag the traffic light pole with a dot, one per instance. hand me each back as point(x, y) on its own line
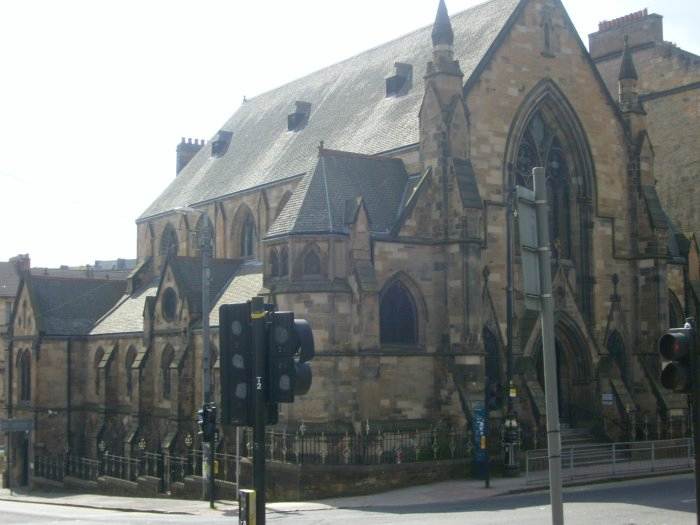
point(694, 358)
point(548, 349)
point(207, 447)
point(259, 405)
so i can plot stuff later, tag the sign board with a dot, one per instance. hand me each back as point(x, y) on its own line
point(16, 425)
point(479, 428)
point(527, 228)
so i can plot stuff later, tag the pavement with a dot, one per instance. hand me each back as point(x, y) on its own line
point(455, 491)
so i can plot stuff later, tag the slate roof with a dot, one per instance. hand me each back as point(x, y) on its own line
point(9, 279)
point(127, 315)
point(349, 111)
point(245, 285)
point(78, 273)
point(320, 202)
point(71, 306)
point(188, 273)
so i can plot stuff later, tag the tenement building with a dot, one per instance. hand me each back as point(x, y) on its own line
point(371, 198)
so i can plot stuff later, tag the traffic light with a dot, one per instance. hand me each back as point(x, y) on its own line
point(236, 344)
point(677, 349)
point(206, 419)
point(290, 347)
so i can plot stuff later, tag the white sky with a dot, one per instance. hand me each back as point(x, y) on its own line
point(95, 95)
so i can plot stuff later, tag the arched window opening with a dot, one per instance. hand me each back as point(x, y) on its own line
point(675, 311)
point(166, 362)
point(25, 376)
point(274, 263)
point(540, 146)
point(398, 317)
point(616, 348)
point(284, 261)
point(249, 236)
point(169, 243)
point(128, 363)
point(311, 263)
point(99, 355)
point(493, 385)
point(205, 232)
point(283, 202)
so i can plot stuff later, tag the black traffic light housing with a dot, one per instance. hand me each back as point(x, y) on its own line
point(679, 362)
point(236, 369)
point(290, 346)
point(206, 419)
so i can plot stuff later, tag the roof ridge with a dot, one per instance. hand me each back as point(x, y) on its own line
point(373, 156)
point(366, 51)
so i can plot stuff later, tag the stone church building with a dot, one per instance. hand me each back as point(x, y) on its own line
point(371, 199)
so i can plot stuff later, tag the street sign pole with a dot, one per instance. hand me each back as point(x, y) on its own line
point(548, 348)
point(259, 405)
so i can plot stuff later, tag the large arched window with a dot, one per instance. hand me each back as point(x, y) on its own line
point(398, 317)
point(128, 363)
point(274, 263)
point(675, 311)
point(284, 261)
point(166, 361)
point(542, 147)
point(99, 355)
point(201, 234)
point(25, 376)
point(249, 236)
point(311, 263)
point(493, 385)
point(169, 243)
point(616, 348)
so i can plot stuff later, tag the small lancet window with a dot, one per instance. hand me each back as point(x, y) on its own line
point(312, 263)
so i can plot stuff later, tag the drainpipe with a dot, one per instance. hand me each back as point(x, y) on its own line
point(69, 400)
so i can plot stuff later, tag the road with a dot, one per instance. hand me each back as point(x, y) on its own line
point(652, 501)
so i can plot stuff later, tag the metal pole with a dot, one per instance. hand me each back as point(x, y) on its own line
point(549, 349)
point(694, 362)
point(509, 297)
point(258, 322)
point(238, 459)
point(207, 448)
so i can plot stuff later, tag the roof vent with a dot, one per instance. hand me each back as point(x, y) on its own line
point(401, 82)
point(300, 117)
point(221, 142)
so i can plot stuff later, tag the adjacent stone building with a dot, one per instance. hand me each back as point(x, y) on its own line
point(370, 198)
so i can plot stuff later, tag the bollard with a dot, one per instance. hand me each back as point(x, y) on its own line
point(246, 507)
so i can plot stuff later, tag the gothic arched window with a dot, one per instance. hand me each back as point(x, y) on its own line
point(166, 361)
point(25, 376)
point(274, 263)
point(203, 231)
point(541, 147)
point(169, 243)
point(249, 237)
point(128, 363)
point(99, 354)
point(616, 348)
point(284, 261)
point(494, 388)
point(398, 316)
point(311, 263)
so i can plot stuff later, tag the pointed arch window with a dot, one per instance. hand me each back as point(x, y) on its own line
point(249, 237)
point(398, 316)
point(201, 234)
point(284, 261)
point(166, 361)
point(128, 363)
point(25, 376)
point(540, 146)
point(274, 263)
point(169, 243)
point(616, 349)
point(312, 263)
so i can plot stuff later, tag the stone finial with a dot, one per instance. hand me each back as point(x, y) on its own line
point(442, 28)
point(627, 69)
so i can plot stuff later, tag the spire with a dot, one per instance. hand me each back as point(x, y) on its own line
point(627, 69)
point(442, 29)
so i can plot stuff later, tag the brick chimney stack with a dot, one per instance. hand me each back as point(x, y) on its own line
point(22, 263)
point(186, 150)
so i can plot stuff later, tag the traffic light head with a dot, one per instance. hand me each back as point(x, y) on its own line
point(291, 346)
point(236, 343)
point(676, 348)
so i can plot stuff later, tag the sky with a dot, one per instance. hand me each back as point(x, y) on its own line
point(96, 94)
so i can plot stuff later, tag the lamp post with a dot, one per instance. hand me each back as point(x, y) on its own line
point(205, 248)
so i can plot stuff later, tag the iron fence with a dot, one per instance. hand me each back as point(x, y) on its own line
point(50, 467)
point(83, 468)
point(588, 462)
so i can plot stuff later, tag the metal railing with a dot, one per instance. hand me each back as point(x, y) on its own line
point(83, 468)
point(588, 462)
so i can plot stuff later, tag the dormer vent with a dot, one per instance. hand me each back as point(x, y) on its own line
point(221, 142)
point(300, 117)
point(401, 82)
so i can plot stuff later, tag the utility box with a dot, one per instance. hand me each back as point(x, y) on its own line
point(246, 507)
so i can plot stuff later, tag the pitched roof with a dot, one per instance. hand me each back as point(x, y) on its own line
point(71, 306)
point(245, 285)
point(320, 202)
point(349, 111)
point(127, 315)
point(627, 69)
point(188, 273)
point(9, 279)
